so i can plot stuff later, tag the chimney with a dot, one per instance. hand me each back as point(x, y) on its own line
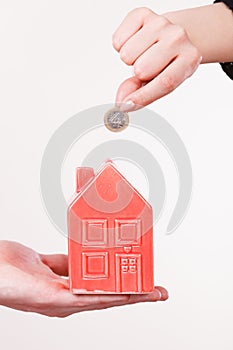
point(83, 176)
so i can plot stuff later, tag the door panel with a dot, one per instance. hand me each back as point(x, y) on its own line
point(128, 273)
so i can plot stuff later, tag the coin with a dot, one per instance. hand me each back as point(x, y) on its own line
point(115, 120)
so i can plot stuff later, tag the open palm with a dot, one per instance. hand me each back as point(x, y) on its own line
point(36, 283)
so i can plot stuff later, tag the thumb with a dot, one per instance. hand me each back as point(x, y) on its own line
point(58, 263)
point(126, 88)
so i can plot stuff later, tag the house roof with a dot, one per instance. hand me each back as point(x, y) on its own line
point(115, 176)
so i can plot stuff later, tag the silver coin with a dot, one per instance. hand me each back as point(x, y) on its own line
point(115, 120)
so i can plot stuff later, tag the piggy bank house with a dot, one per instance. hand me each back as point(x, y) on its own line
point(110, 233)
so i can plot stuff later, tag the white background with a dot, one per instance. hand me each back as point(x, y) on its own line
point(56, 59)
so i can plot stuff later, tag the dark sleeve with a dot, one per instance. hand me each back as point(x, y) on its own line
point(227, 66)
point(229, 3)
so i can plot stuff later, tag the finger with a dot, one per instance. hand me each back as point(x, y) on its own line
point(158, 294)
point(93, 303)
point(164, 292)
point(153, 61)
point(101, 306)
point(70, 304)
point(154, 296)
point(139, 43)
point(143, 39)
point(102, 300)
point(130, 25)
point(173, 41)
point(65, 298)
point(169, 79)
point(58, 263)
point(127, 88)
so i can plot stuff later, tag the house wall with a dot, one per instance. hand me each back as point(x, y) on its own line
point(78, 248)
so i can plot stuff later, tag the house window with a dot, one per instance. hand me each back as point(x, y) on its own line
point(94, 265)
point(94, 232)
point(128, 264)
point(128, 232)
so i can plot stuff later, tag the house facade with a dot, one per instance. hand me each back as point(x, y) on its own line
point(110, 227)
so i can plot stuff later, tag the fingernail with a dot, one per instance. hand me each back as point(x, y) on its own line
point(127, 106)
point(160, 296)
point(117, 104)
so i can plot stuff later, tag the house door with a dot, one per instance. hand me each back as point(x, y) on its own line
point(128, 273)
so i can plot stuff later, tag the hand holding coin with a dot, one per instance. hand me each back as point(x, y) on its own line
point(159, 51)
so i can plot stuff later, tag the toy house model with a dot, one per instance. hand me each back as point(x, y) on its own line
point(110, 235)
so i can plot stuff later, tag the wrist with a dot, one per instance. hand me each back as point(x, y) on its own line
point(209, 28)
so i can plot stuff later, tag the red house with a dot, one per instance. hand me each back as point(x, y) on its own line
point(110, 230)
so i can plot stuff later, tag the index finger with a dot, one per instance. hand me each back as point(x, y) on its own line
point(163, 84)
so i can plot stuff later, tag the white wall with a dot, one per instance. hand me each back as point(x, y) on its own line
point(56, 59)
